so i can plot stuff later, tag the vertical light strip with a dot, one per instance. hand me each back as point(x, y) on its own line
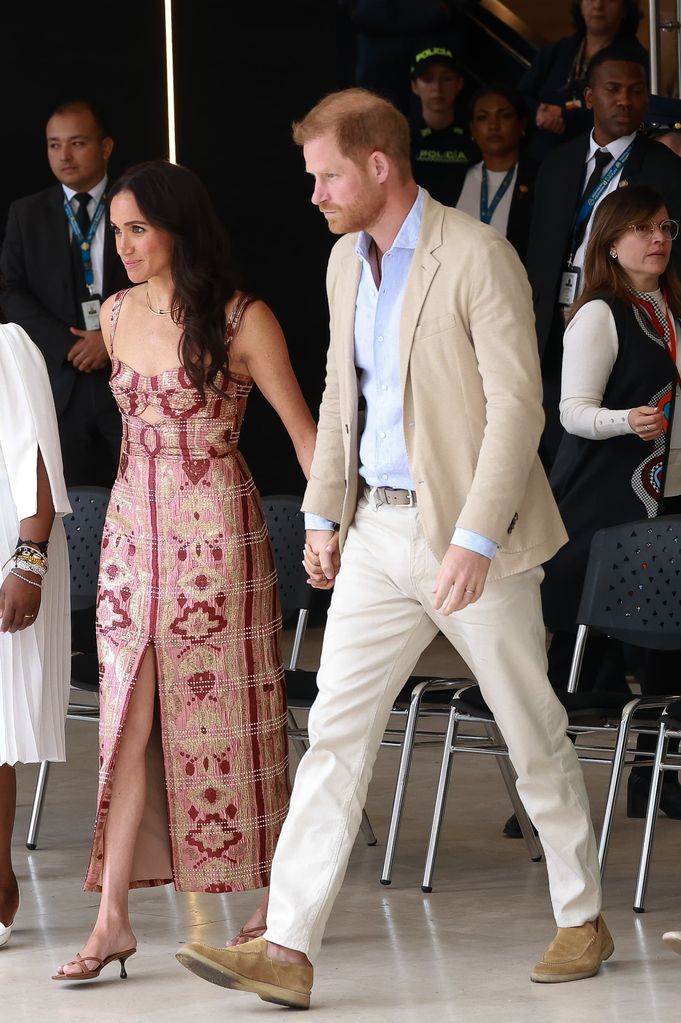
point(170, 81)
point(654, 48)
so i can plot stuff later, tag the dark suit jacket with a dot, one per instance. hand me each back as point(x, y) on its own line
point(557, 192)
point(520, 213)
point(38, 286)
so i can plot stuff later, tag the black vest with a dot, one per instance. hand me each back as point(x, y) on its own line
point(600, 483)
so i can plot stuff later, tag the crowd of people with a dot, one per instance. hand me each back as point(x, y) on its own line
point(507, 313)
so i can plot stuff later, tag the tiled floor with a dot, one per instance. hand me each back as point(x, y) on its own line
point(462, 953)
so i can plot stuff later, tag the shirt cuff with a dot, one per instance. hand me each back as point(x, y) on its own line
point(319, 522)
point(474, 542)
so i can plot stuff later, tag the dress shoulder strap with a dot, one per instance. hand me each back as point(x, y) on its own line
point(236, 316)
point(115, 310)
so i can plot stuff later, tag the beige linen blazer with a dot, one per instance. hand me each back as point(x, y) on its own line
point(471, 394)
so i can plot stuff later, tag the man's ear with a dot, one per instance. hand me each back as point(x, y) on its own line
point(379, 165)
point(107, 147)
point(588, 98)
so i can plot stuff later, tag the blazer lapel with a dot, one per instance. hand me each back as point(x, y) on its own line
point(424, 266)
point(57, 228)
point(344, 337)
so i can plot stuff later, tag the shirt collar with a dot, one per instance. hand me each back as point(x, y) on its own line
point(406, 237)
point(615, 148)
point(97, 192)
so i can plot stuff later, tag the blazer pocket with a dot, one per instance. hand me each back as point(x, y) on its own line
point(438, 325)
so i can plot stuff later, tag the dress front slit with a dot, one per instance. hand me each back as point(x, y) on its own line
point(187, 571)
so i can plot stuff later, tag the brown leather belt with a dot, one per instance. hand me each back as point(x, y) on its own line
point(391, 495)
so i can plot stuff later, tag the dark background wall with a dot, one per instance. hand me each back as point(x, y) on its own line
point(243, 72)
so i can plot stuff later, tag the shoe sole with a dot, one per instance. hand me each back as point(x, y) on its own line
point(214, 973)
point(674, 944)
point(562, 978)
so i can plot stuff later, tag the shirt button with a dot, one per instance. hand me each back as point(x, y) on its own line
point(380, 338)
point(412, 424)
point(381, 435)
point(384, 387)
point(384, 476)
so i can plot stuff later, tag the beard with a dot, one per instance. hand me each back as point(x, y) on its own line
point(358, 215)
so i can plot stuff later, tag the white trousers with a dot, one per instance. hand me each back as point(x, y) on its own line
point(380, 620)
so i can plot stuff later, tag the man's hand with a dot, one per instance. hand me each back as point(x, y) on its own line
point(461, 579)
point(550, 118)
point(89, 352)
point(321, 558)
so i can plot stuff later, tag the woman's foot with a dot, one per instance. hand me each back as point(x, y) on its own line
point(255, 927)
point(100, 945)
point(9, 900)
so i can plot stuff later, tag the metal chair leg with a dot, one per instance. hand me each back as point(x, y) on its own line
point(651, 817)
point(509, 776)
point(440, 800)
point(37, 808)
point(618, 756)
point(401, 785)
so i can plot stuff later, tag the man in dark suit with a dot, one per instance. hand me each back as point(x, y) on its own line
point(612, 156)
point(58, 264)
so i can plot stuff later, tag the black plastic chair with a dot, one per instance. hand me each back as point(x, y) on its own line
point(84, 537)
point(420, 693)
point(632, 592)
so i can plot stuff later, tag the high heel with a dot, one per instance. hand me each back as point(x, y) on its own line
point(638, 790)
point(86, 974)
point(5, 932)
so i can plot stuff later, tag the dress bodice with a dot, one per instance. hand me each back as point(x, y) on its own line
point(191, 425)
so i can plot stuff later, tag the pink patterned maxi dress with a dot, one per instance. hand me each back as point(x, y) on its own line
point(187, 569)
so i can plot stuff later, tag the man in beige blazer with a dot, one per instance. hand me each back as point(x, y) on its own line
point(433, 515)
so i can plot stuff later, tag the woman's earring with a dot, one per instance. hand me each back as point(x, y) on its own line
point(613, 253)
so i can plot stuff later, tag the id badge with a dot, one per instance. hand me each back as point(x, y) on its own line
point(569, 286)
point(91, 313)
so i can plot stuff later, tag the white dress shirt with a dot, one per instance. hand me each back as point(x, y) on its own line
point(378, 311)
point(469, 200)
point(615, 149)
point(97, 249)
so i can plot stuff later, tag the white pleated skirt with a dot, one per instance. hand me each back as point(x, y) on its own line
point(35, 663)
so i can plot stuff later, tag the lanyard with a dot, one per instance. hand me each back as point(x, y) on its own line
point(487, 211)
point(85, 242)
point(591, 200)
point(659, 327)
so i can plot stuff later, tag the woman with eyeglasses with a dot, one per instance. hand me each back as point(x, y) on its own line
point(620, 456)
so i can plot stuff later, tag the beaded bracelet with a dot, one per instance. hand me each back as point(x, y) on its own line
point(40, 544)
point(29, 581)
point(30, 566)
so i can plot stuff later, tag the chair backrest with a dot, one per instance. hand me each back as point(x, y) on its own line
point(84, 537)
point(287, 533)
point(632, 587)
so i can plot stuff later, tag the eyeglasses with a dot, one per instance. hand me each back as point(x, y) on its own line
point(669, 228)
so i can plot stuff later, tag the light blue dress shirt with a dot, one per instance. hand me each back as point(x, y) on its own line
point(378, 311)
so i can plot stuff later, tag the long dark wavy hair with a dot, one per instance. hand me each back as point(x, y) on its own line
point(603, 275)
point(173, 199)
point(631, 16)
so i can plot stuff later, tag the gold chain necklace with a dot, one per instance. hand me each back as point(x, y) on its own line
point(157, 312)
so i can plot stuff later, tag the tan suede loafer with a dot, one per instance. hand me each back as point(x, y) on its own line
point(247, 967)
point(673, 941)
point(575, 954)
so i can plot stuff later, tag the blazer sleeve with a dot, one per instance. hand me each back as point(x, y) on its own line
point(21, 304)
point(28, 423)
point(501, 327)
point(325, 491)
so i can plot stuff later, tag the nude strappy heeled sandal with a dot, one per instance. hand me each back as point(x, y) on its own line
point(86, 974)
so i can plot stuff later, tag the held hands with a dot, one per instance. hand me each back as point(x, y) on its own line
point(321, 558)
point(89, 351)
point(19, 603)
point(550, 118)
point(461, 579)
point(646, 422)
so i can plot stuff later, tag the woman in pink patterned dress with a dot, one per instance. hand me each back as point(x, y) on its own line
point(193, 746)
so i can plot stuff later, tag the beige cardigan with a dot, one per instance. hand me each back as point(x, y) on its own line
point(471, 392)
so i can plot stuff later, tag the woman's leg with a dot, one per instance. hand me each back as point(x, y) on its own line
point(256, 925)
point(112, 931)
point(9, 890)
